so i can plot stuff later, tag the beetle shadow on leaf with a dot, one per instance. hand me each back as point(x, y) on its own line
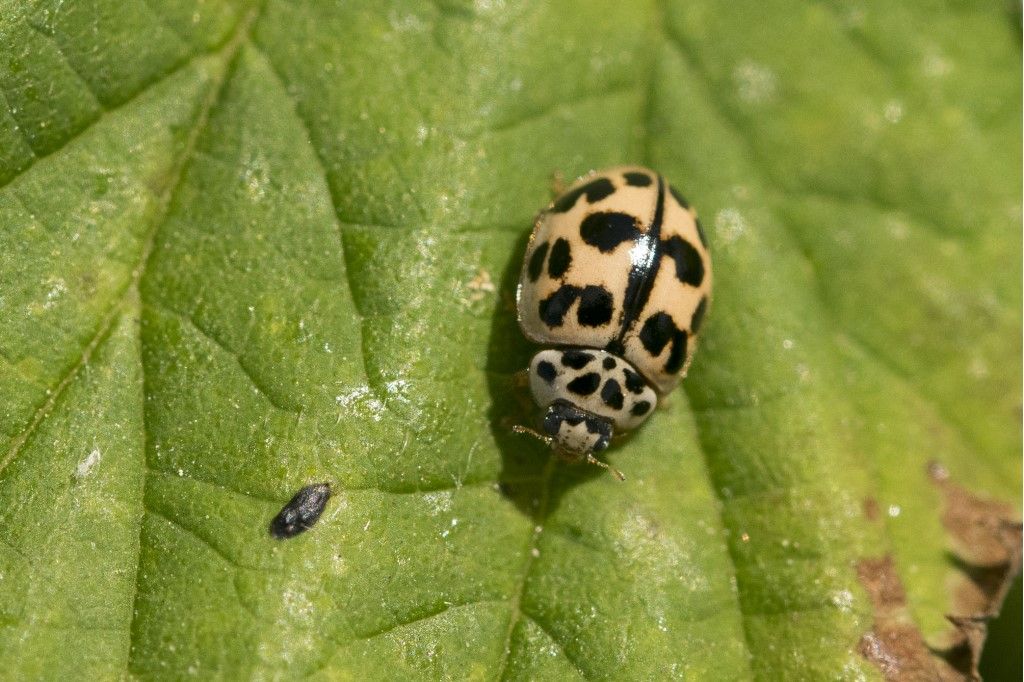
point(524, 459)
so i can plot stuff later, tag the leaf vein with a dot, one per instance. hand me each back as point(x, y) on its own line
point(573, 661)
point(50, 38)
point(419, 617)
point(372, 380)
point(530, 555)
point(172, 70)
point(284, 404)
point(198, 538)
point(228, 53)
point(539, 114)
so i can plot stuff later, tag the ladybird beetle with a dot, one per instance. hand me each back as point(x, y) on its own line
point(616, 281)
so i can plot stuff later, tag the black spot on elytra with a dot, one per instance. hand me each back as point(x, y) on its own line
point(609, 363)
point(658, 331)
point(611, 394)
point(634, 382)
point(678, 354)
point(689, 266)
point(301, 512)
point(553, 308)
point(560, 259)
point(576, 359)
point(637, 179)
point(700, 233)
point(678, 197)
point(606, 230)
point(641, 408)
point(599, 426)
point(585, 384)
point(595, 190)
point(698, 315)
point(546, 371)
point(595, 307)
point(537, 262)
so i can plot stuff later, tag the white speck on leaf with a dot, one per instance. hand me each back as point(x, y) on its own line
point(480, 286)
point(755, 83)
point(893, 111)
point(256, 177)
point(729, 225)
point(936, 65)
point(57, 289)
point(978, 368)
point(842, 599)
point(438, 502)
point(86, 466)
point(803, 372)
point(397, 389)
point(898, 229)
point(360, 402)
point(894, 510)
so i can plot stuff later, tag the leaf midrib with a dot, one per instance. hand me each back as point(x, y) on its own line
point(228, 54)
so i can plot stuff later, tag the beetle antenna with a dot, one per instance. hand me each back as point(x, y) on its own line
point(596, 462)
point(519, 428)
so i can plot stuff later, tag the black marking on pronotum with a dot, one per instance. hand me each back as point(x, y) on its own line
point(634, 382)
point(640, 408)
point(301, 512)
point(595, 190)
point(576, 359)
point(595, 307)
point(607, 229)
point(598, 425)
point(546, 371)
point(689, 266)
point(609, 363)
point(560, 260)
point(537, 262)
point(585, 384)
point(601, 428)
point(611, 394)
point(637, 179)
point(563, 412)
point(643, 273)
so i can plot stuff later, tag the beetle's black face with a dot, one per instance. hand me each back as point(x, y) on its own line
point(576, 433)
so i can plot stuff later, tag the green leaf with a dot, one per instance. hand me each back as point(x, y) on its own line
point(248, 247)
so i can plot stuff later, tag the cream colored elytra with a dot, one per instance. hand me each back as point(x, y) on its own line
point(618, 265)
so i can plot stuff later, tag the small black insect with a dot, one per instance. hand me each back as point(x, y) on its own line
point(301, 512)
